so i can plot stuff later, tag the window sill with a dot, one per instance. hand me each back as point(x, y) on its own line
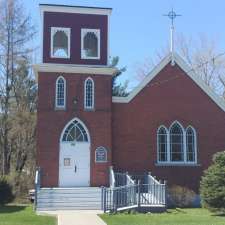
point(178, 164)
point(60, 109)
point(60, 57)
point(89, 110)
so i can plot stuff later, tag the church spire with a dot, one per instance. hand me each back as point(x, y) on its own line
point(172, 15)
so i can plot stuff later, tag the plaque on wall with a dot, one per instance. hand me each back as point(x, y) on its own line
point(100, 154)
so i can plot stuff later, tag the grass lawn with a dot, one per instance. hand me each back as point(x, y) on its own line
point(22, 215)
point(172, 217)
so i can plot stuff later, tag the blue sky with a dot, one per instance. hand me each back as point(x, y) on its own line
point(138, 29)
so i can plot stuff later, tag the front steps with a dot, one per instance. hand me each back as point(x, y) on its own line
point(79, 198)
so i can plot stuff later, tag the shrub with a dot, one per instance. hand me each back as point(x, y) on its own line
point(181, 196)
point(212, 186)
point(6, 195)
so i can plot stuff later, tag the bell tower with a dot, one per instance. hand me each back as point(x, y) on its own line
point(75, 35)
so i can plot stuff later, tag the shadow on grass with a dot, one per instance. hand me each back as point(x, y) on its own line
point(11, 209)
point(176, 210)
point(222, 214)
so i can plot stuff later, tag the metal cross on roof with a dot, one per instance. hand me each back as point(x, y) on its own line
point(172, 15)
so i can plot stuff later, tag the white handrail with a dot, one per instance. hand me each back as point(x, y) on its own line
point(112, 177)
point(129, 180)
point(152, 180)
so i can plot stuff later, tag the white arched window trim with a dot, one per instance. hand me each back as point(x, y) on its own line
point(92, 94)
point(84, 31)
point(67, 31)
point(56, 93)
point(184, 145)
point(167, 141)
point(195, 142)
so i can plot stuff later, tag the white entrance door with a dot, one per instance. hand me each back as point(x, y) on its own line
point(74, 164)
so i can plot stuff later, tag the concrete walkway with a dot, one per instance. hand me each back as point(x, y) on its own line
point(77, 217)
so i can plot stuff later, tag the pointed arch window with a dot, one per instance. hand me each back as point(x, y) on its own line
point(176, 145)
point(75, 132)
point(60, 42)
point(60, 98)
point(90, 43)
point(162, 144)
point(191, 144)
point(89, 94)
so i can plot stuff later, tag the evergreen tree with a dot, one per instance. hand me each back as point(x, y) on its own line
point(212, 188)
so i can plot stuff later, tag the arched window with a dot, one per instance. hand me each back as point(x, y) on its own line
point(75, 132)
point(60, 42)
point(190, 144)
point(60, 99)
point(89, 94)
point(90, 43)
point(176, 143)
point(162, 144)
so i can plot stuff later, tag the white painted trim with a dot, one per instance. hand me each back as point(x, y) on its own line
point(56, 94)
point(74, 69)
point(67, 31)
point(61, 142)
point(93, 94)
point(181, 63)
point(75, 9)
point(97, 33)
point(184, 141)
point(184, 162)
point(195, 138)
point(167, 132)
point(82, 123)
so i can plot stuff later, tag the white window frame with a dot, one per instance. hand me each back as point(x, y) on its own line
point(56, 93)
point(183, 142)
point(158, 148)
point(97, 32)
point(195, 143)
point(106, 153)
point(93, 94)
point(184, 162)
point(68, 33)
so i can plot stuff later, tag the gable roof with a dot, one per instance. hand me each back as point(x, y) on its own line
point(184, 66)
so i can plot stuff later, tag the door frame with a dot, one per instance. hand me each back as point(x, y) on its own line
point(60, 142)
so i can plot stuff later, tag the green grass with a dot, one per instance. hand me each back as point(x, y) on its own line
point(172, 217)
point(23, 215)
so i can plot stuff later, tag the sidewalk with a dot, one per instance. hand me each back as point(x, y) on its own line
point(78, 217)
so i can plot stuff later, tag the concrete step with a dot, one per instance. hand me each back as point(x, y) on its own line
point(69, 198)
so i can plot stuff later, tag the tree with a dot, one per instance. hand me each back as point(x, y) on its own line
point(16, 31)
point(212, 187)
point(202, 56)
point(118, 89)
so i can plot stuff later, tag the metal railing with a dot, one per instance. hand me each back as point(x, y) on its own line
point(133, 196)
point(37, 185)
point(111, 177)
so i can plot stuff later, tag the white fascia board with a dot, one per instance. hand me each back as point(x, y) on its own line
point(184, 66)
point(146, 80)
point(79, 10)
point(74, 69)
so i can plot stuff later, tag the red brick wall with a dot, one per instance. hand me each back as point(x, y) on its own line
point(51, 123)
point(170, 96)
point(75, 22)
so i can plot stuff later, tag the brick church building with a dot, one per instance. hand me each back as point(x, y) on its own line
point(171, 124)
